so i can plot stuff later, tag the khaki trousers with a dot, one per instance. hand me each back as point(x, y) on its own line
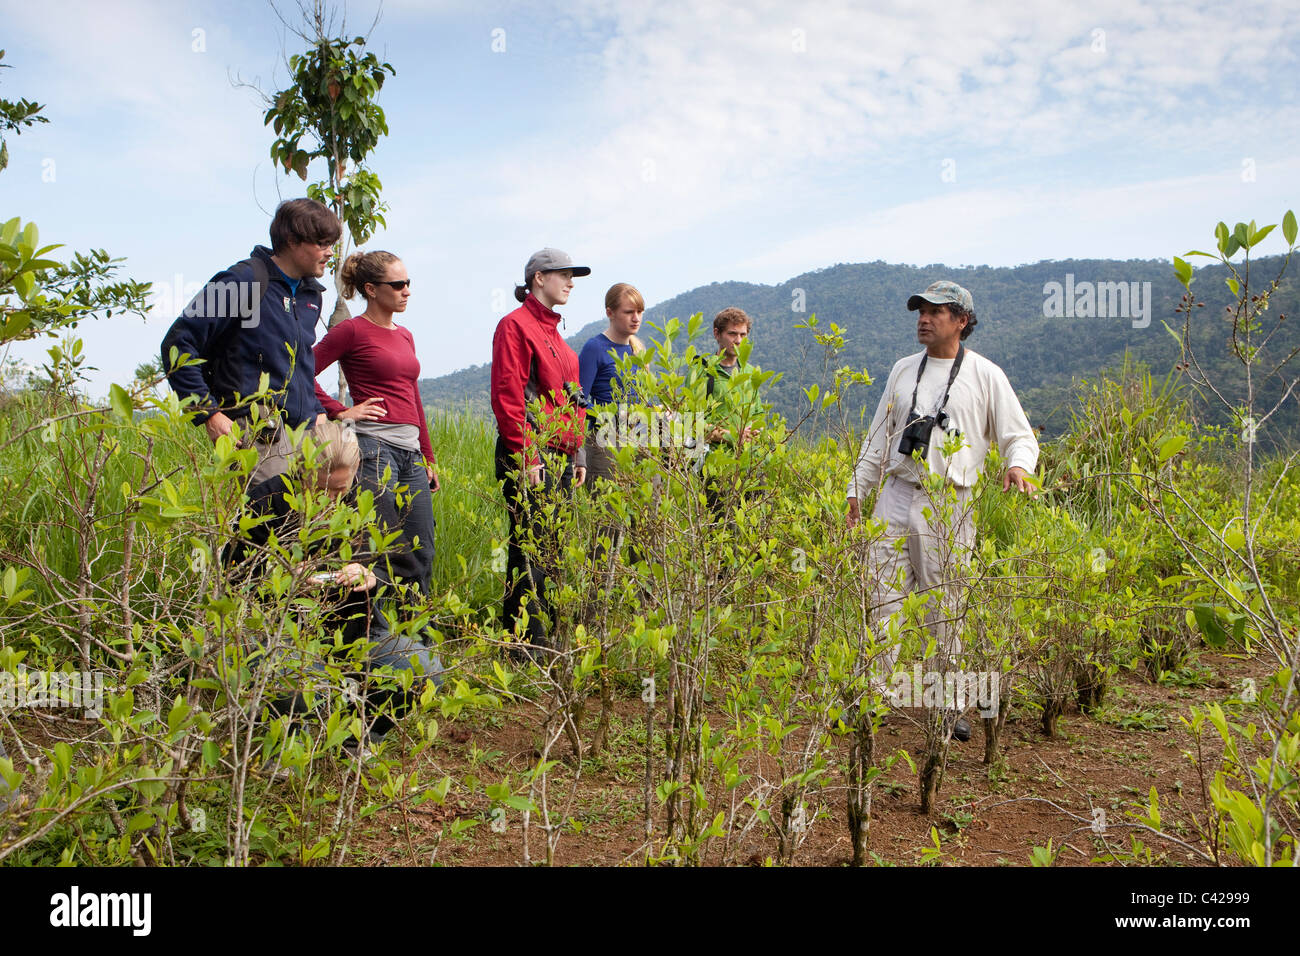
point(937, 535)
point(271, 439)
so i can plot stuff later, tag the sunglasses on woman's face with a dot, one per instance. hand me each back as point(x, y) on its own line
point(398, 284)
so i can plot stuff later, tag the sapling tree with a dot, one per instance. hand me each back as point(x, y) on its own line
point(1241, 597)
point(15, 116)
point(330, 112)
point(41, 295)
point(1267, 354)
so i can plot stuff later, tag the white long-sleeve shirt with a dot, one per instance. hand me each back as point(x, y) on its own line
point(982, 406)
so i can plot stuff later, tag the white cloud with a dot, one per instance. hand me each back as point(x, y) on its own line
point(704, 96)
point(1005, 227)
point(153, 95)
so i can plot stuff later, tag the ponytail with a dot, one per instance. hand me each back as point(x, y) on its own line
point(362, 267)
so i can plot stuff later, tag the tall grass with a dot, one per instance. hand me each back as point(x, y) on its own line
point(41, 469)
point(469, 509)
point(66, 513)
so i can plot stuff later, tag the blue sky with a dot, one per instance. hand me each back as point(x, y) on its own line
point(668, 144)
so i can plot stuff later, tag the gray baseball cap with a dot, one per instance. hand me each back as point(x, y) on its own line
point(942, 292)
point(552, 260)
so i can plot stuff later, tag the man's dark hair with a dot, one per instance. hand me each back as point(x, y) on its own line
point(957, 312)
point(303, 220)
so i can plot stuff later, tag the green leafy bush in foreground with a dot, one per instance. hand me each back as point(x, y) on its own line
point(744, 640)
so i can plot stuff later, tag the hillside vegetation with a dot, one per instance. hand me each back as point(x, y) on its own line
point(1045, 357)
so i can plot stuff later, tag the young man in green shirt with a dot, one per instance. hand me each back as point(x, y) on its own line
point(727, 408)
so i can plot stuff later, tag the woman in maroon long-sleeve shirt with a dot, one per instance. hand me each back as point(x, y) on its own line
point(383, 373)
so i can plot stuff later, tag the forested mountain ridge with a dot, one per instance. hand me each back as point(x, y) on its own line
point(1044, 340)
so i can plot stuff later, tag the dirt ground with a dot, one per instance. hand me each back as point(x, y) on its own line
point(1044, 790)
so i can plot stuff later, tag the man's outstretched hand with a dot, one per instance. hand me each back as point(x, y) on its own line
point(1016, 476)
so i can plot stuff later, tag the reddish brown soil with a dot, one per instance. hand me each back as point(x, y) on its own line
point(1046, 789)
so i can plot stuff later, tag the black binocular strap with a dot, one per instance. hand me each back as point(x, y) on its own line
point(952, 377)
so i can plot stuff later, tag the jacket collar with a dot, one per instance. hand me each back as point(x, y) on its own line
point(306, 282)
point(541, 312)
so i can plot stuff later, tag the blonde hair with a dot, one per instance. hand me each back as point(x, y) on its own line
point(337, 445)
point(363, 267)
point(614, 298)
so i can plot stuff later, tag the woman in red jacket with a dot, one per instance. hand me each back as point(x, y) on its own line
point(378, 358)
point(539, 449)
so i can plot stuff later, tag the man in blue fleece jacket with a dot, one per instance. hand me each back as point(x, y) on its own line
point(259, 316)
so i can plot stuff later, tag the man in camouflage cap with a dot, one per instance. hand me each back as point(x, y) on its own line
point(941, 411)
